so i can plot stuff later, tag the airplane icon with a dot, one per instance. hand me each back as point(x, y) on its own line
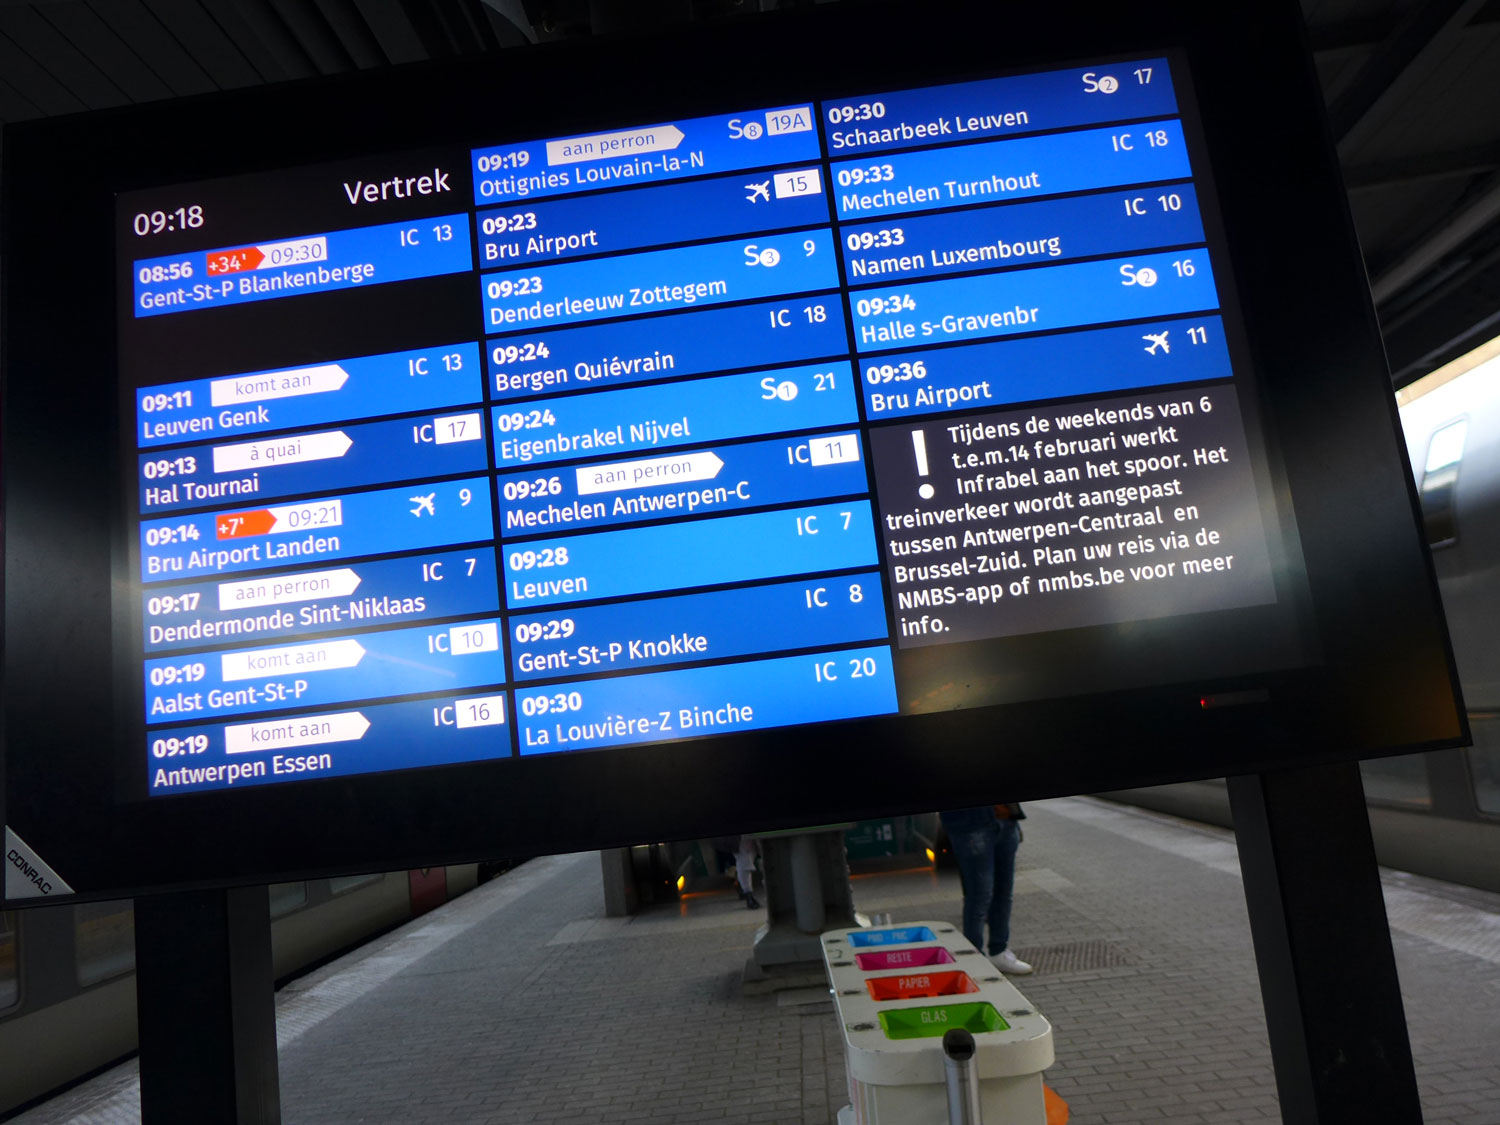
point(759, 191)
point(424, 503)
point(1158, 340)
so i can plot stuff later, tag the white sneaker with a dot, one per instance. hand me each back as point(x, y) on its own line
point(1008, 962)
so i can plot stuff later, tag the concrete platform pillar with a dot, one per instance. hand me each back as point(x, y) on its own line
point(807, 884)
point(620, 896)
point(807, 891)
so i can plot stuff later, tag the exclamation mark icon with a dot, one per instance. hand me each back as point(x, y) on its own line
point(919, 447)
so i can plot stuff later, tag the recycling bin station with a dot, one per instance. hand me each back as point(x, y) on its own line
point(897, 991)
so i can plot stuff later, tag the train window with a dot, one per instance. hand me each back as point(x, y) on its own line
point(1401, 780)
point(287, 897)
point(10, 980)
point(1484, 761)
point(1445, 449)
point(346, 883)
point(104, 940)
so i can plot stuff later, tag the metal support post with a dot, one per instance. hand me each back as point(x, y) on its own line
point(807, 885)
point(1323, 947)
point(961, 1077)
point(205, 996)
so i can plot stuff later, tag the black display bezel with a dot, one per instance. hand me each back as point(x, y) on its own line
point(1385, 684)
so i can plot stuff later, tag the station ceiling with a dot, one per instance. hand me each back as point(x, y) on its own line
point(1412, 88)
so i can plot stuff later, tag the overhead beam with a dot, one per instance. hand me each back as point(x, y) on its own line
point(273, 37)
point(512, 13)
point(428, 28)
point(1364, 32)
point(311, 32)
point(1351, 34)
point(353, 32)
point(1478, 212)
point(1475, 161)
point(1450, 349)
point(28, 77)
point(467, 25)
point(14, 106)
point(1419, 44)
point(393, 31)
point(1450, 290)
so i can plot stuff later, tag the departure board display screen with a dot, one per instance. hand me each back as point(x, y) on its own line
point(724, 428)
point(783, 416)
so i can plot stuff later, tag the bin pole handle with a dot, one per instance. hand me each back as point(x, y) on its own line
point(962, 1077)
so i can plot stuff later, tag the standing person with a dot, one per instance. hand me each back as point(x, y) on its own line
point(744, 870)
point(984, 842)
point(743, 849)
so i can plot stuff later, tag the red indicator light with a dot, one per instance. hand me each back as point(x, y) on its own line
point(1234, 698)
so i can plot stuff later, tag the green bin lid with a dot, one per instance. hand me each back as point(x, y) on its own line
point(932, 1021)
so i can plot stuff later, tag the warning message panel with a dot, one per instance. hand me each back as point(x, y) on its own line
point(1056, 517)
point(673, 429)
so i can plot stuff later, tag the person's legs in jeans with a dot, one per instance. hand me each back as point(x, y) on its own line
point(1003, 873)
point(975, 852)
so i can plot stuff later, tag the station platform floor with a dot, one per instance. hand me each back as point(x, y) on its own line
point(521, 1002)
